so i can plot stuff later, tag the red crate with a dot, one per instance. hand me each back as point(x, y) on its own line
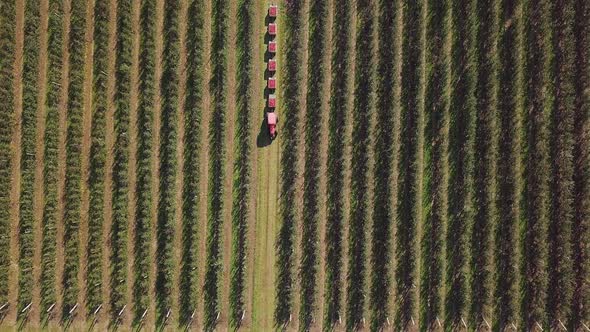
point(272, 101)
point(272, 29)
point(272, 47)
point(272, 83)
point(272, 65)
point(273, 11)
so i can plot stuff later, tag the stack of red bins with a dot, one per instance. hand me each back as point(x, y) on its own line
point(272, 62)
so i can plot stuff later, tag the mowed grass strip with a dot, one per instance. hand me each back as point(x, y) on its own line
point(145, 144)
point(507, 180)
point(538, 100)
point(581, 221)
point(50, 162)
point(383, 173)
point(119, 226)
point(242, 168)
point(290, 107)
point(560, 287)
point(408, 169)
point(341, 50)
point(30, 89)
point(461, 138)
point(168, 160)
point(217, 90)
point(73, 180)
point(308, 269)
point(434, 208)
point(484, 160)
point(96, 177)
point(192, 134)
point(7, 58)
point(361, 115)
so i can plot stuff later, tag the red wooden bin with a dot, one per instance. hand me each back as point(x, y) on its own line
point(272, 83)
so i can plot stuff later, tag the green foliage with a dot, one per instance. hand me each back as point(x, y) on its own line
point(168, 160)
point(538, 102)
point(291, 109)
point(341, 50)
point(507, 182)
point(311, 177)
point(581, 221)
point(484, 161)
point(100, 100)
point(7, 57)
point(143, 186)
point(336, 160)
point(242, 165)
point(559, 292)
point(73, 181)
point(30, 91)
point(408, 168)
point(434, 209)
point(119, 226)
point(217, 86)
point(384, 151)
point(50, 162)
point(192, 135)
point(359, 165)
point(461, 149)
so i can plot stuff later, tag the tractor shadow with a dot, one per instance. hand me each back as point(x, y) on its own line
point(263, 138)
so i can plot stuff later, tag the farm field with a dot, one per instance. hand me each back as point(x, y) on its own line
point(431, 170)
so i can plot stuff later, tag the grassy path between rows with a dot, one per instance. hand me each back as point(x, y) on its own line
point(265, 227)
